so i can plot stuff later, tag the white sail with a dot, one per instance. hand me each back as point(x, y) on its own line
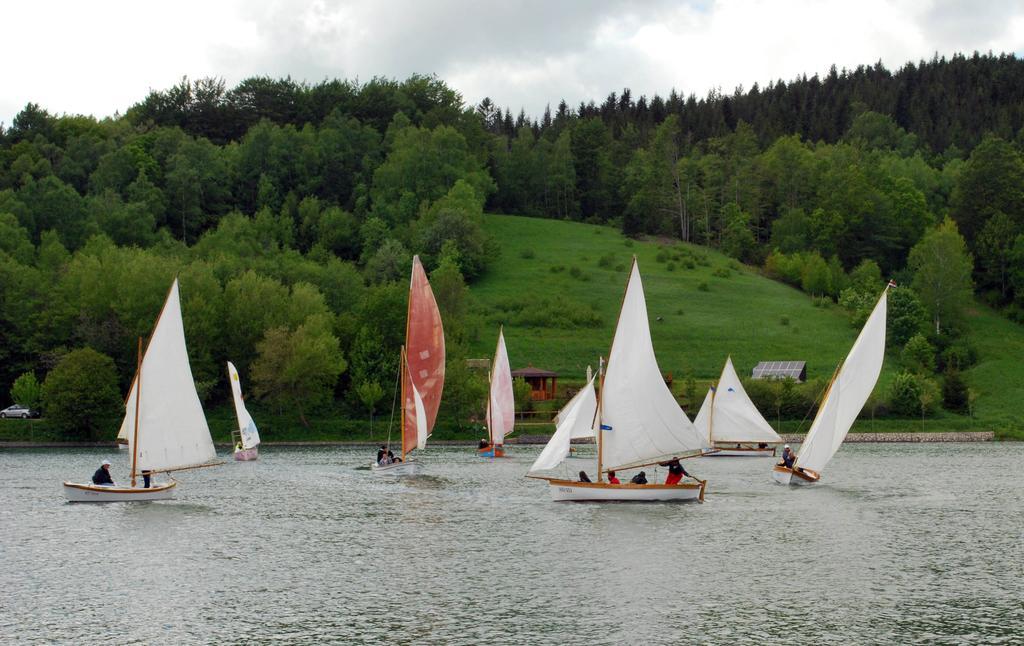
point(702, 420)
point(421, 419)
point(501, 403)
point(574, 420)
point(641, 422)
point(172, 430)
point(846, 396)
point(246, 426)
point(730, 414)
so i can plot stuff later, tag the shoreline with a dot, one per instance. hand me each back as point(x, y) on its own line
point(532, 440)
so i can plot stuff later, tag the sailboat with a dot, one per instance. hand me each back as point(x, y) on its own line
point(637, 420)
point(246, 439)
point(501, 403)
point(731, 422)
point(849, 388)
point(421, 372)
point(163, 420)
point(574, 421)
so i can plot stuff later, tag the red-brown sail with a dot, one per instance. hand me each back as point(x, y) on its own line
point(424, 348)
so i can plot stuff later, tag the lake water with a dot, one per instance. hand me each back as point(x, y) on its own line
point(900, 544)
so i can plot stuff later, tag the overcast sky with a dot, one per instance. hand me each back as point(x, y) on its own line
point(99, 58)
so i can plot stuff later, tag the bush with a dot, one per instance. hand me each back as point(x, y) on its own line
point(955, 392)
point(689, 264)
point(620, 267)
point(628, 242)
point(784, 320)
point(913, 395)
point(577, 273)
point(918, 355)
point(81, 395)
point(26, 391)
point(606, 260)
point(704, 287)
point(526, 254)
point(960, 355)
point(722, 272)
point(557, 268)
point(671, 266)
point(662, 256)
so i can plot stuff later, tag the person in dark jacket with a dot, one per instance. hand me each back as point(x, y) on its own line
point(584, 477)
point(640, 478)
point(102, 475)
point(145, 478)
point(675, 472)
point(787, 457)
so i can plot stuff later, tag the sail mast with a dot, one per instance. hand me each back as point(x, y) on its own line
point(138, 398)
point(597, 416)
point(401, 372)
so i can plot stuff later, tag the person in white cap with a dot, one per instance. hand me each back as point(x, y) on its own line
point(787, 457)
point(102, 475)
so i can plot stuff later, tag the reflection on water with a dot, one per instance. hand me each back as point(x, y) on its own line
point(899, 544)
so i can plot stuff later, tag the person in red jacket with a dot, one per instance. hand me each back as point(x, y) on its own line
point(611, 478)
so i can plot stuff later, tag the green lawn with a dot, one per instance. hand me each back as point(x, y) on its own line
point(741, 313)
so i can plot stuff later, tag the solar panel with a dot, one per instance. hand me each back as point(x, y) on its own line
point(780, 370)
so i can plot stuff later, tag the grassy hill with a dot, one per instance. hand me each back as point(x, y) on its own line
point(557, 288)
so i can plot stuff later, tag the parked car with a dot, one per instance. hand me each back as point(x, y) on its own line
point(18, 411)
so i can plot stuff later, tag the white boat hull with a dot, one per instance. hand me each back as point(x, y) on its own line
point(786, 476)
point(567, 490)
point(397, 469)
point(244, 455)
point(80, 492)
point(741, 453)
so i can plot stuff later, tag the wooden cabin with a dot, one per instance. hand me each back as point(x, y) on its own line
point(543, 383)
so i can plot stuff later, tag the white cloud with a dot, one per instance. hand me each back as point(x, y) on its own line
point(98, 58)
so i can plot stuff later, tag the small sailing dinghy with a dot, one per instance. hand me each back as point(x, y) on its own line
point(731, 422)
point(850, 387)
point(421, 373)
point(574, 421)
point(163, 421)
point(637, 420)
point(246, 439)
point(501, 403)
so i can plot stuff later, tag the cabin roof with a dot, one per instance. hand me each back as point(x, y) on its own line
point(530, 371)
point(780, 369)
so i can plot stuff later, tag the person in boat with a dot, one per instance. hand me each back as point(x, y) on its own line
point(787, 457)
point(146, 473)
point(675, 472)
point(238, 447)
point(102, 475)
point(483, 444)
point(640, 478)
point(584, 477)
point(612, 479)
point(762, 445)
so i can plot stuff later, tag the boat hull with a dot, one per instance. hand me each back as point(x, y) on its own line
point(569, 491)
point(786, 476)
point(81, 492)
point(741, 453)
point(491, 452)
point(397, 469)
point(245, 455)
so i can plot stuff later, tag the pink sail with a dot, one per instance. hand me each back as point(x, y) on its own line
point(501, 405)
point(424, 348)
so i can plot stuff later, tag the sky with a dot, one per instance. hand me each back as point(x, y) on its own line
point(99, 58)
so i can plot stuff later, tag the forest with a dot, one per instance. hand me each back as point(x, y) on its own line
point(290, 212)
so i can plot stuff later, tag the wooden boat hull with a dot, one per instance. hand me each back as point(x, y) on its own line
point(408, 468)
point(744, 452)
point(81, 492)
point(786, 476)
point(244, 455)
point(567, 490)
point(491, 452)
